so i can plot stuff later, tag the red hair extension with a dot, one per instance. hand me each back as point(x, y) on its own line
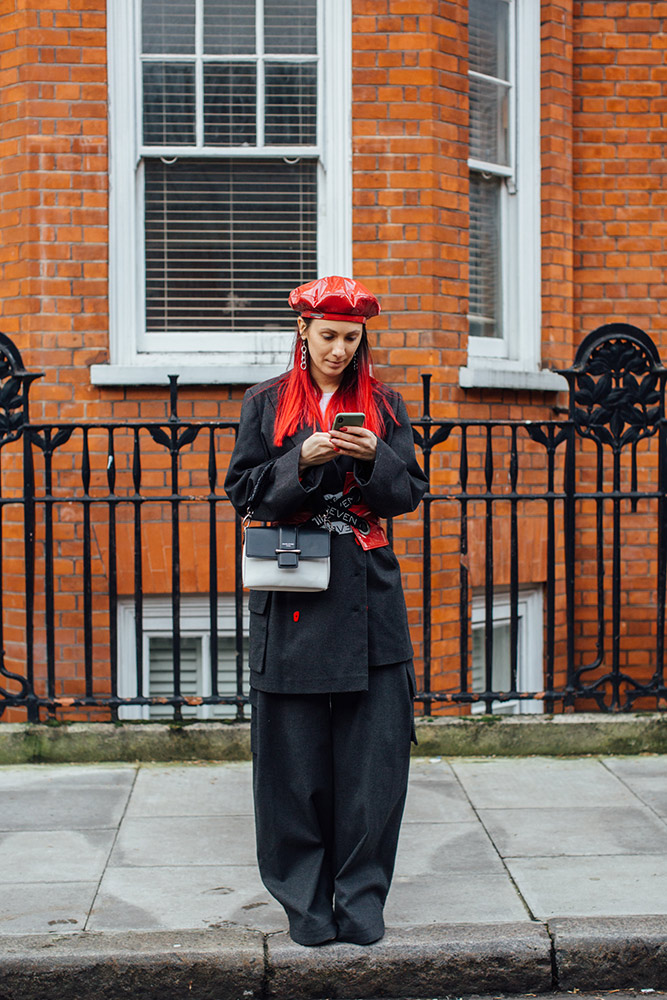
point(299, 397)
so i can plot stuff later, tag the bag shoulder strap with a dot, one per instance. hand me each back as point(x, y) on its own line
point(259, 490)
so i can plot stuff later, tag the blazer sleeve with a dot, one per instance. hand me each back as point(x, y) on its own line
point(394, 483)
point(285, 494)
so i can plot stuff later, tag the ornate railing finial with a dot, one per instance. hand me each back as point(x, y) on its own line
point(617, 385)
point(15, 384)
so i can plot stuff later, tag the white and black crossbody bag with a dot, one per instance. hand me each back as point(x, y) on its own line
point(283, 556)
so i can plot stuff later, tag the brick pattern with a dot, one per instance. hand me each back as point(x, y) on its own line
point(410, 100)
point(557, 177)
point(620, 194)
point(620, 183)
point(603, 255)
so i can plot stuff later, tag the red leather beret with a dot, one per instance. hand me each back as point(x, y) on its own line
point(334, 298)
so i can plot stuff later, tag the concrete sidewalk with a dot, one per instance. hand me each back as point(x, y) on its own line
point(513, 875)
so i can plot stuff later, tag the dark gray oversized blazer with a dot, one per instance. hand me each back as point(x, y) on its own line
point(313, 643)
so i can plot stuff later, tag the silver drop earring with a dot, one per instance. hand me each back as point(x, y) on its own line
point(304, 356)
point(355, 363)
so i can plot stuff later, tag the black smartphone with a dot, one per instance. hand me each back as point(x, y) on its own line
point(348, 420)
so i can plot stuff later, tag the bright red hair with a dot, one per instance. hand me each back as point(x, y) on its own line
point(299, 397)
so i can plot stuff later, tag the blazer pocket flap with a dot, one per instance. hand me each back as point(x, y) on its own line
point(257, 601)
point(310, 543)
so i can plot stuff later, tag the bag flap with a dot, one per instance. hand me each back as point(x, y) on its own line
point(261, 543)
point(314, 543)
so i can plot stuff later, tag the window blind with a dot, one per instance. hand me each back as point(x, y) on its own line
point(161, 675)
point(485, 297)
point(161, 683)
point(229, 27)
point(226, 241)
point(489, 65)
point(230, 114)
point(168, 26)
point(290, 26)
point(488, 60)
point(258, 63)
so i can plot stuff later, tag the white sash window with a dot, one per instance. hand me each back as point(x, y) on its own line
point(530, 669)
point(230, 180)
point(504, 184)
point(195, 660)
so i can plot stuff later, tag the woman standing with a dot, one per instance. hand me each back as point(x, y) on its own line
point(331, 672)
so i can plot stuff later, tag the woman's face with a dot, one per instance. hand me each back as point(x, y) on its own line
point(331, 347)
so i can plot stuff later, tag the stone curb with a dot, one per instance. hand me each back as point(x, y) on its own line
point(416, 962)
point(502, 736)
point(228, 964)
point(211, 965)
point(610, 952)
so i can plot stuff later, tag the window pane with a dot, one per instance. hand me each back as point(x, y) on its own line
point(169, 104)
point(229, 27)
point(485, 263)
point(291, 105)
point(502, 672)
point(161, 683)
point(290, 26)
point(167, 26)
point(489, 121)
point(227, 675)
point(488, 38)
point(226, 241)
point(230, 104)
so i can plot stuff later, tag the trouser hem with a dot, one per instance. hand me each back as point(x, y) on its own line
point(364, 937)
point(311, 940)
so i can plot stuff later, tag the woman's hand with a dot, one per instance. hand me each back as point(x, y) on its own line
point(316, 450)
point(355, 442)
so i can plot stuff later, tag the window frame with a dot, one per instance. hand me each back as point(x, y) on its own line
point(530, 666)
point(158, 623)
point(514, 360)
point(133, 358)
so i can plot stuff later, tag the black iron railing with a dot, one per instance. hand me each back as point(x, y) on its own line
point(553, 507)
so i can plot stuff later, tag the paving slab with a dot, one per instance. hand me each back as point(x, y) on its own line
point(453, 899)
point(646, 777)
point(461, 918)
point(210, 965)
point(554, 832)
point(435, 795)
point(54, 855)
point(39, 908)
point(186, 897)
point(63, 798)
point(540, 782)
point(415, 962)
point(590, 887)
point(185, 840)
point(204, 790)
point(610, 953)
point(23, 776)
point(437, 848)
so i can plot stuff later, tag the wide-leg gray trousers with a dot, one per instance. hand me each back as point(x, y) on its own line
point(330, 775)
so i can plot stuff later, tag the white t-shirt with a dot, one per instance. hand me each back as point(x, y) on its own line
point(324, 401)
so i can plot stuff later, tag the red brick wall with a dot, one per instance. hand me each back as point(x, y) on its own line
point(54, 270)
point(620, 184)
point(603, 255)
point(620, 253)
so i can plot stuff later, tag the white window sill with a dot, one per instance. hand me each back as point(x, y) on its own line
point(496, 377)
point(158, 374)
